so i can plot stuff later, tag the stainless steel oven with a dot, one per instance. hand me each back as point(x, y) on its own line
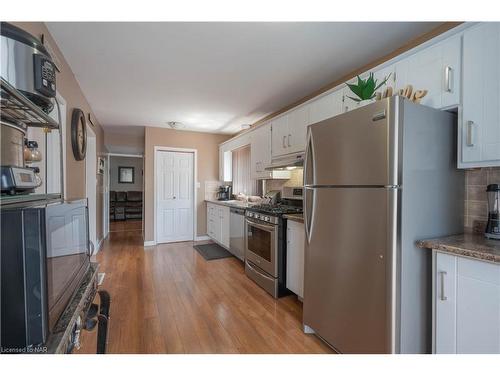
point(262, 251)
point(261, 246)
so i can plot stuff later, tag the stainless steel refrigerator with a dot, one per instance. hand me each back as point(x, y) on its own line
point(376, 180)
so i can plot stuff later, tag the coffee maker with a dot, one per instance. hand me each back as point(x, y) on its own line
point(493, 226)
point(224, 193)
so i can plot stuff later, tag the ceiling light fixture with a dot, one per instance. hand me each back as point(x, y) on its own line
point(175, 124)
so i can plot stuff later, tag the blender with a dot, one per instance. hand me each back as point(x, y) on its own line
point(493, 226)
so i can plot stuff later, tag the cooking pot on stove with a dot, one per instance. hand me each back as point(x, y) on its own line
point(27, 66)
point(12, 143)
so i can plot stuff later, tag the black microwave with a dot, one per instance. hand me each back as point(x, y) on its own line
point(44, 257)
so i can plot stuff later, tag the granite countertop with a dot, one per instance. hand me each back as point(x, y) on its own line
point(294, 217)
point(468, 244)
point(231, 203)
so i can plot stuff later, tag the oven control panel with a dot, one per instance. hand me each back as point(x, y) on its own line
point(262, 217)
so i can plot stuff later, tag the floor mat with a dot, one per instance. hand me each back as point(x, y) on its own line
point(211, 251)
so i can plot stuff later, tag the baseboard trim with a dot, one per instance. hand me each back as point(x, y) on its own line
point(202, 238)
point(308, 330)
point(149, 243)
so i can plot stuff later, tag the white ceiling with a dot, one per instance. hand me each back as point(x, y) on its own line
point(215, 77)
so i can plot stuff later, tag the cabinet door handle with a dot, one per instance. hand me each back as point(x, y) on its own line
point(289, 135)
point(470, 133)
point(443, 297)
point(284, 139)
point(448, 78)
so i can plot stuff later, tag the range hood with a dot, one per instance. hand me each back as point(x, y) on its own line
point(292, 160)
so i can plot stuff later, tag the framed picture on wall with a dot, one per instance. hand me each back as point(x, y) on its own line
point(126, 175)
point(100, 165)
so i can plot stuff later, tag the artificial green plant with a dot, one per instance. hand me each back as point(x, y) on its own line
point(365, 89)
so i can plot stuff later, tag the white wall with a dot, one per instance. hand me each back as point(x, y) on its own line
point(119, 161)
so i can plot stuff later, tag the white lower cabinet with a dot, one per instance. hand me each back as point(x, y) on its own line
point(218, 218)
point(295, 257)
point(466, 317)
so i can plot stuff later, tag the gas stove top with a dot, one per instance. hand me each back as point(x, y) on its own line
point(275, 209)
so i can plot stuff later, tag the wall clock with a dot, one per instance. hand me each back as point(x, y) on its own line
point(78, 134)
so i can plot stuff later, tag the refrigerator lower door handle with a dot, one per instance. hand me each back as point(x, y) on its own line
point(308, 211)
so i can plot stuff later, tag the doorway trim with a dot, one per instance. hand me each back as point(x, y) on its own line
point(195, 185)
point(109, 155)
point(93, 179)
point(61, 158)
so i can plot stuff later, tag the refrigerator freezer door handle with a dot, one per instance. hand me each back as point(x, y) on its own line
point(309, 160)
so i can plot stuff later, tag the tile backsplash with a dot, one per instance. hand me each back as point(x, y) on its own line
point(476, 203)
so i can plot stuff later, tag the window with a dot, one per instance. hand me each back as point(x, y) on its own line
point(242, 181)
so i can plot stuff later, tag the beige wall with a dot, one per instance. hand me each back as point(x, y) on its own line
point(69, 89)
point(121, 161)
point(124, 140)
point(207, 146)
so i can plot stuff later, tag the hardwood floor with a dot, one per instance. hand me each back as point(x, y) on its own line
point(120, 226)
point(168, 299)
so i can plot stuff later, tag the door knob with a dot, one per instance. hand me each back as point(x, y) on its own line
point(174, 197)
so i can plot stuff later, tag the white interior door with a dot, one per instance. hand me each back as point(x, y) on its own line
point(91, 184)
point(174, 196)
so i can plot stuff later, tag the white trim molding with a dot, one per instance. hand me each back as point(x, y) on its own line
point(195, 186)
point(99, 245)
point(149, 243)
point(202, 238)
point(125, 155)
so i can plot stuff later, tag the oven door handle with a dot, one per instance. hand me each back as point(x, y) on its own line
point(267, 228)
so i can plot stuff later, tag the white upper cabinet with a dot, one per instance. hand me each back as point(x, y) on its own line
point(260, 152)
point(279, 136)
point(479, 136)
point(436, 69)
point(289, 132)
point(460, 71)
point(298, 120)
point(327, 106)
